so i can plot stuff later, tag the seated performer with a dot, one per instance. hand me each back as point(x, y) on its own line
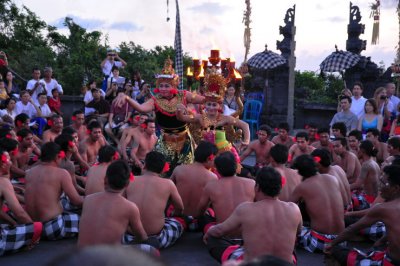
point(269, 226)
point(89, 147)
point(300, 147)
point(283, 135)
point(45, 184)
point(78, 123)
point(226, 193)
point(346, 159)
point(17, 232)
point(97, 229)
point(28, 152)
point(373, 135)
point(260, 147)
point(365, 188)
point(151, 193)
point(130, 134)
point(279, 155)
point(324, 205)
point(56, 126)
point(387, 212)
point(97, 172)
point(190, 179)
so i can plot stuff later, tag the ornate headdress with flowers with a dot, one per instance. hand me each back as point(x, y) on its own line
point(168, 74)
point(214, 86)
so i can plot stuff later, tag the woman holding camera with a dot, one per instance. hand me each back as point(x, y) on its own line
point(385, 108)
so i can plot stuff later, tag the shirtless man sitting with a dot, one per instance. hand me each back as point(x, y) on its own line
point(28, 152)
point(56, 126)
point(393, 147)
point(17, 232)
point(324, 205)
point(279, 155)
point(190, 180)
point(97, 172)
point(373, 136)
point(131, 133)
point(365, 188)
point(45, 184)
point(143, 144)
point(78, 123)
point(300, 147)
point(11, 146)
point(226, 193)
point(387, 212)
point(89, 147)
point(324, 141)
point(151, 193)
point(347, 160)
point(22, 121)
point(354, 139)
point(325, 167)
point(269, 226)
point(118, 220)
point(260, 147)
point(283, 136)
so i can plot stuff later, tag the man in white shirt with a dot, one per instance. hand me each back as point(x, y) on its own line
point(390, 92)
point(27, 105)
point(108, 63)
point(35, 85)
point(50, 83)
point(358, 101)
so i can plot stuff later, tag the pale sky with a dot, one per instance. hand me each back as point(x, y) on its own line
point(319, 25)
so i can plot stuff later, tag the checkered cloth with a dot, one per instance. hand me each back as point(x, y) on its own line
point(171, 232)
point(375, 232)
point(17, 238)
point(313, 241)
point(372, 258)
point(65, 225)
point(339, 61)
point(235, 252)
point(178, 48)
point(68, 206)
point(147, 249)
point(359, 201)
point(266, 60)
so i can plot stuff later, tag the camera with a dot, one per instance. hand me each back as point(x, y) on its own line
point(383, 97)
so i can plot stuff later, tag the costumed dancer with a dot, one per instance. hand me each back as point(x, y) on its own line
point(212, 122)
point(175, 142)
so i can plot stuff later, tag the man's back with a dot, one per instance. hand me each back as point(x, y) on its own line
point(95, 179)
point(227, 193)
point(190, 181)
point(269, 227)
point(150, 193)
point(324, 203)
point(292, 180)
point(338, 172)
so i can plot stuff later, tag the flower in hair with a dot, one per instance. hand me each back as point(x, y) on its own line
point(317, 159)
point(116, 156)
point(73, 118)
point(166, 167)
point(70, 144)
point(131, 177)
point(283, 181)
point(144, 125)
point(61, 154)
point(4, 158)
point(50, 123)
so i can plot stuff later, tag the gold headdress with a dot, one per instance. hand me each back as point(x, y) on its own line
point(214, 86)
point(168, 74)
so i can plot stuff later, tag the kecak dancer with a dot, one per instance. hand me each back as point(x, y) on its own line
point(212, 122)
point(175, 141)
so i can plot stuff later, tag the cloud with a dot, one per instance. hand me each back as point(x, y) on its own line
point(391, 4)
point(334, 19)
point(210, 8)
point(206, 30)
point(87, 23)
point(125, 26)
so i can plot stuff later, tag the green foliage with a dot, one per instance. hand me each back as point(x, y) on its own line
point(317, 88)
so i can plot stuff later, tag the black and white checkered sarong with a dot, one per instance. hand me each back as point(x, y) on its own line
point(313, 241)
point(65, 225)
point(16, 238)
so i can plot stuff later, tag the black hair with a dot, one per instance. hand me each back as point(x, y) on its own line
point(4, 132)
point(305, 165)
point(117, 174)
point(8, 144)
point(368, 148)
point(49, 151)
point(77, 112)
point(269, 181)
point(24, 132)
point(265, 128)
point(393, 173)
point(358, 83)
point(226, 164)
point(155, 162)
point(394, 142)
point(106, 153)
point(374, 131)
point(22, 117)
point(302, 134)
point(341, 127)
point(325, 156)
point(345, 97)
point(312, 125)
point(94, 124)
point(284, 125)
point(8, 100)
point(279, 153)
point(357, 134)
point(23, 92)
point(69, 130)
point(41, 94)
point(35, 68)
point(342, 140)
point(323, 130)
point(63, 140)
point(204, 150)
point(114, 68)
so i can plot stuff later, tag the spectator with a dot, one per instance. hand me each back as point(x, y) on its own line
point(3, 91)
point(144, 94)
point(344, 92)
point(88, 97)
point(101, 107)
point(55, 102)
point(115, 78)
point(41, 119)
point(108, 63)
point(27, 105)
point(358, 101)
point(230, 98)
point(385, 108)
point(345, 115)
point(35, 85)
point(371, 117)
point(50, 83)
point(10, 108)
point(11, 86)
point(395, 128)
point(137, 82)
point(128, 88)
point(390, 91)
